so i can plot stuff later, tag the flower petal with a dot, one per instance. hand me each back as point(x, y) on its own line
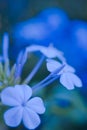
point(37, 105)
point(52, 65)
point(52, 52)
point(76, 80)
point(34, 48)
point(13, 116)
point(30, 119)
point(24, 91)
point(69, 68)
point(10, 97)
point(49, 51)
point(66, 81)
point(14, 96)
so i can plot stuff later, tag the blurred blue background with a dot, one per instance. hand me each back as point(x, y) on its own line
point(63, 23)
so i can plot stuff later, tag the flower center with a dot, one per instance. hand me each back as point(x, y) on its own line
point(23, 104)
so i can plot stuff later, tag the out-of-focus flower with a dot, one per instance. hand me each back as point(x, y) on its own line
point(77, 41)
point(79, 33)
point(23, 108)
point(67, 77)
point(31, 31)
point(50, 25)
point(55, 18)
point(41, 28)
point(49, 52)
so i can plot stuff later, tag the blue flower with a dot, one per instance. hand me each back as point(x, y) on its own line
point(48, 26)
point(79, 33)
point(41, 28)
point(31, 31)
point(23, 108)
point(67, 76)
point(49, 52)
point(55, 18)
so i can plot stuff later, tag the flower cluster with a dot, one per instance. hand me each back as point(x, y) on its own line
point(17, 93)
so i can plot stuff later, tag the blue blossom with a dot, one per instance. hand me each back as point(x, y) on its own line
point(49, 52)
point(23, 108)
point(55, 18)
point(48, 26)
point(79, 33)
point(42, 28)
point(76, 39)
point(68, 78)
point(33, 30)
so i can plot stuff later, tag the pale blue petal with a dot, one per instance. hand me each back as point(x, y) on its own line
point(13, 116)
point(69, 68)
point(36, 104)
point(76, 80)
point(52, 65)
point(24, 92)
point(17, 95)
point(10, 97)
point(49, 51)
point(66, 81)
point(33, 48)
point(52, 52)
point(30, 119)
